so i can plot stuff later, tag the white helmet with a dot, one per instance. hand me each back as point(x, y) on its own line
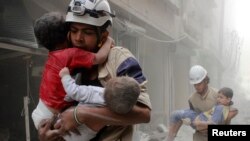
point(196, 74)
point(92, 12)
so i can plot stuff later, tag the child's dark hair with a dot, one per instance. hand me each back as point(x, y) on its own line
point(228, 92)
point(51, 29)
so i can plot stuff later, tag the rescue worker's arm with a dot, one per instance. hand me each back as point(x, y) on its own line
point(94, 117)
point(232, 113)
point(202, 126)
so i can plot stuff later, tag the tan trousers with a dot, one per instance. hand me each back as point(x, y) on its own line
point(117, 133)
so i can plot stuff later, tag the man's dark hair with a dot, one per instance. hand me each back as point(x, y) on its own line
point(51, 29)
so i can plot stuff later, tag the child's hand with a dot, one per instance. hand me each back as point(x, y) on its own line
point(186, 121)
point(110, 42)
point(64, 71)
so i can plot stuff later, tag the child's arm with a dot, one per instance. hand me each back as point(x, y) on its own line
point(102, 54)
point(82, 93)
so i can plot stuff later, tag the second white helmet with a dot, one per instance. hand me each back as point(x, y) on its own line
point(92, 12)
point(196, 74)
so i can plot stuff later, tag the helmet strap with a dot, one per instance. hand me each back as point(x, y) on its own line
point(98, 36)
point(68, 36)
point(69, 39)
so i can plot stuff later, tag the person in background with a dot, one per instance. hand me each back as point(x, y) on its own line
point(119, 95)
point(89, 21)
point(217, 115)
point(51, 32)
point(203, 99)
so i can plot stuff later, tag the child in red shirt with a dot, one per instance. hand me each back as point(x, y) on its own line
point(51, 32)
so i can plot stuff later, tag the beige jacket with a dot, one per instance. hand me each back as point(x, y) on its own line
point(117, 56)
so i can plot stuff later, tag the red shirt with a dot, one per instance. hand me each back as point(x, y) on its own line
point(51, 90)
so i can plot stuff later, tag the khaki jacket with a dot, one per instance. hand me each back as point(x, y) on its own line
point(117, 59)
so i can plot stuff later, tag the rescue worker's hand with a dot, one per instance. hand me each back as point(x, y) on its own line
point(45, 133)
point(66, 122)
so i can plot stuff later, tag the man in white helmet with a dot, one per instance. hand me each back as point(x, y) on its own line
point(204, 98)
point(89, 20)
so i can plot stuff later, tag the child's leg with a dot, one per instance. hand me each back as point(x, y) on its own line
point(176, 121)
point(173, 130)
point(41, 112)
point(175, 124)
